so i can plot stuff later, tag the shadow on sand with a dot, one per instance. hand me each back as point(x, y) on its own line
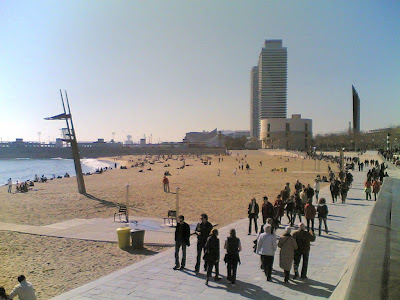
point(143, 251)
point(109, 203)
point(242, 288)
point(102, 201)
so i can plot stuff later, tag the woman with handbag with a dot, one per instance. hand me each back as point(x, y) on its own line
point(233, 247)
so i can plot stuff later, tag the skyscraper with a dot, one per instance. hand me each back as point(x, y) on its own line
point(268, 80)
point(356, 111)
point(254, 104)
point(272, 80)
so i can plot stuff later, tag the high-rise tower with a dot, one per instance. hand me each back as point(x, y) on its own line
point(356, 111)
point(254, 104)
point(272, 80)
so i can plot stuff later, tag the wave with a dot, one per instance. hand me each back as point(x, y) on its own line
point(23, 158)
point(58, 158)
point(94, 164)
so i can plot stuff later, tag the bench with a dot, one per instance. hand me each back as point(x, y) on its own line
point(171, 217)
point(121, 211)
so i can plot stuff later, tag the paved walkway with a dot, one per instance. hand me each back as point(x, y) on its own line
point(154, 278)
point(103, 230)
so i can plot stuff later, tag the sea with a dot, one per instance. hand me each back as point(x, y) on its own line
point(22, 169)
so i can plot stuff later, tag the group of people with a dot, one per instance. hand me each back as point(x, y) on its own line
point(208, 244)
point(294, 248)
point(300, 203)
point(20, 187)
point(24, 290)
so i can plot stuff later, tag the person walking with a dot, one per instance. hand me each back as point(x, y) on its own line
point(252, 213)
point(279, 208)
point(233, 247)
point(298, 209)
point(310, 192)
point(266, 247)
point(303, 240)
point(368, 189)
point(24, 290)
point(9, 185)
point(304, 197)
point(182, 239)
point(211, 255)
point(376, 187)
point(323, 211)
point(288, 245)
point(267, 210)
point(344, 189)
point(290, 209)
point(166, 184)
point(298, 187)
point(203, 230)
point(316, 189)
point(309, 213)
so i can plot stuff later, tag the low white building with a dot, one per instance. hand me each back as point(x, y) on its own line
point(282, 133)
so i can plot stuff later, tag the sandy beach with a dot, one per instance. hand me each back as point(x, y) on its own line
point(57, 265)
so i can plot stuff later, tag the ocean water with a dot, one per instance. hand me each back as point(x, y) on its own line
point(22, 169)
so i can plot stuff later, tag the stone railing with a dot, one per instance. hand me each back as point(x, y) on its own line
point(374, 270)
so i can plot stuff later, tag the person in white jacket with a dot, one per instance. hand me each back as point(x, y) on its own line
point(266, 247)
point(316, 189)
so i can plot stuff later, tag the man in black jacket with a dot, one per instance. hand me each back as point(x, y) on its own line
point(203, 230)
point(252, 212)
point(182, 236)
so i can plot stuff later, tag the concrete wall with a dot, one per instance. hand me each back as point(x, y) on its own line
point(374, 271)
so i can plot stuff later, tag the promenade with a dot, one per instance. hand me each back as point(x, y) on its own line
point(154, 278)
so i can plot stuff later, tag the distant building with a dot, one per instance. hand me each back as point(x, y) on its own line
point(282, 133)
point(203, 139)
point(236, 133)
point(356, 111)
point(254, 104)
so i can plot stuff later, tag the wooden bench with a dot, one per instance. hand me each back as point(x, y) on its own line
point(171, 217)
point(121, 211)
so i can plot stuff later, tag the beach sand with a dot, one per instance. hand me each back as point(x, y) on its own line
point(224, 198)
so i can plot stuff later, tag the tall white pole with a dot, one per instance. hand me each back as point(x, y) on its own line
point(127, 202)
point(177, 202)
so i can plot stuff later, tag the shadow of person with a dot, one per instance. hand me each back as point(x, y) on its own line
point(339, 238)
point(242, 288)
point(306, 286)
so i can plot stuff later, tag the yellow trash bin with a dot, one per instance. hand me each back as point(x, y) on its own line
point(124, 237)
point(281, 169)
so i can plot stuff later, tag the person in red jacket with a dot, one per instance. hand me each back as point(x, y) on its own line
point(376, 187)
point(166, 184)
point(368, 185)
point(309, 213)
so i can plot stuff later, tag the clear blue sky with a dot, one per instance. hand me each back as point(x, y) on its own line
point(168, 67)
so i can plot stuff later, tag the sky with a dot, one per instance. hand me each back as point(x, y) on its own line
point(164, 68)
